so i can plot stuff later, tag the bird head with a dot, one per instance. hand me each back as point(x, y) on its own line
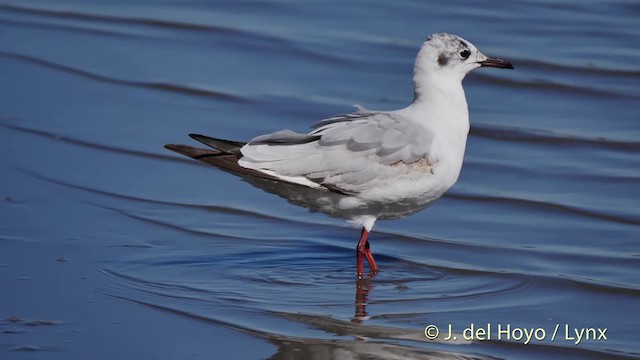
point(451, 56)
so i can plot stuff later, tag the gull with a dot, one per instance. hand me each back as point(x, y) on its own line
point(368, 165)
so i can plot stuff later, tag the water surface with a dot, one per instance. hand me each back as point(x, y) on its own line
point(113, 247)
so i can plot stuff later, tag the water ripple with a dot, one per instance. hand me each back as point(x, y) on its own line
point(548, 137)
point(546, 204)
point(581, 70)
point(129, 19)
point(162, 85)
point(240, 35)
point(546, 85)
point(84, 143)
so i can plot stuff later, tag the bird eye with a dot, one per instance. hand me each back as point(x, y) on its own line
point(465, 54)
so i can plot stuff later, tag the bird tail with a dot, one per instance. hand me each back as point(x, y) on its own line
point(227, 161)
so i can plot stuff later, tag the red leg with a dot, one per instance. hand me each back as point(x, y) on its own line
point(360, 252)
point(363, 250)
point(370, 260)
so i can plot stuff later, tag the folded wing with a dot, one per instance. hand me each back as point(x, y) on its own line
point(349, 153)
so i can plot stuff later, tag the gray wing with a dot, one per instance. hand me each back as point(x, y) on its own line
point(348, 153)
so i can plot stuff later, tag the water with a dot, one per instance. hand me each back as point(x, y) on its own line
point(113, 247)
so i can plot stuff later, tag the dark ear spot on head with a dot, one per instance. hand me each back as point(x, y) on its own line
point(442, 60)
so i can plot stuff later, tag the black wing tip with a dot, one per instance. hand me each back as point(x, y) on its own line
point(204, 140)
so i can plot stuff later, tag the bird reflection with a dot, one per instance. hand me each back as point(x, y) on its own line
point(363, 286)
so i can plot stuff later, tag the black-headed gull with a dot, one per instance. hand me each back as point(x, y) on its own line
point(368, 165)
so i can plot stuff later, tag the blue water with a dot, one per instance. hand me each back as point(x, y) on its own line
point(113, 247)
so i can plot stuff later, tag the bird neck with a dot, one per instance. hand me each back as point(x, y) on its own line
point(437, 84)
point(443, 97)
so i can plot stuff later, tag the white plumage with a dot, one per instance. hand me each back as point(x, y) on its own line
point(371, 165)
